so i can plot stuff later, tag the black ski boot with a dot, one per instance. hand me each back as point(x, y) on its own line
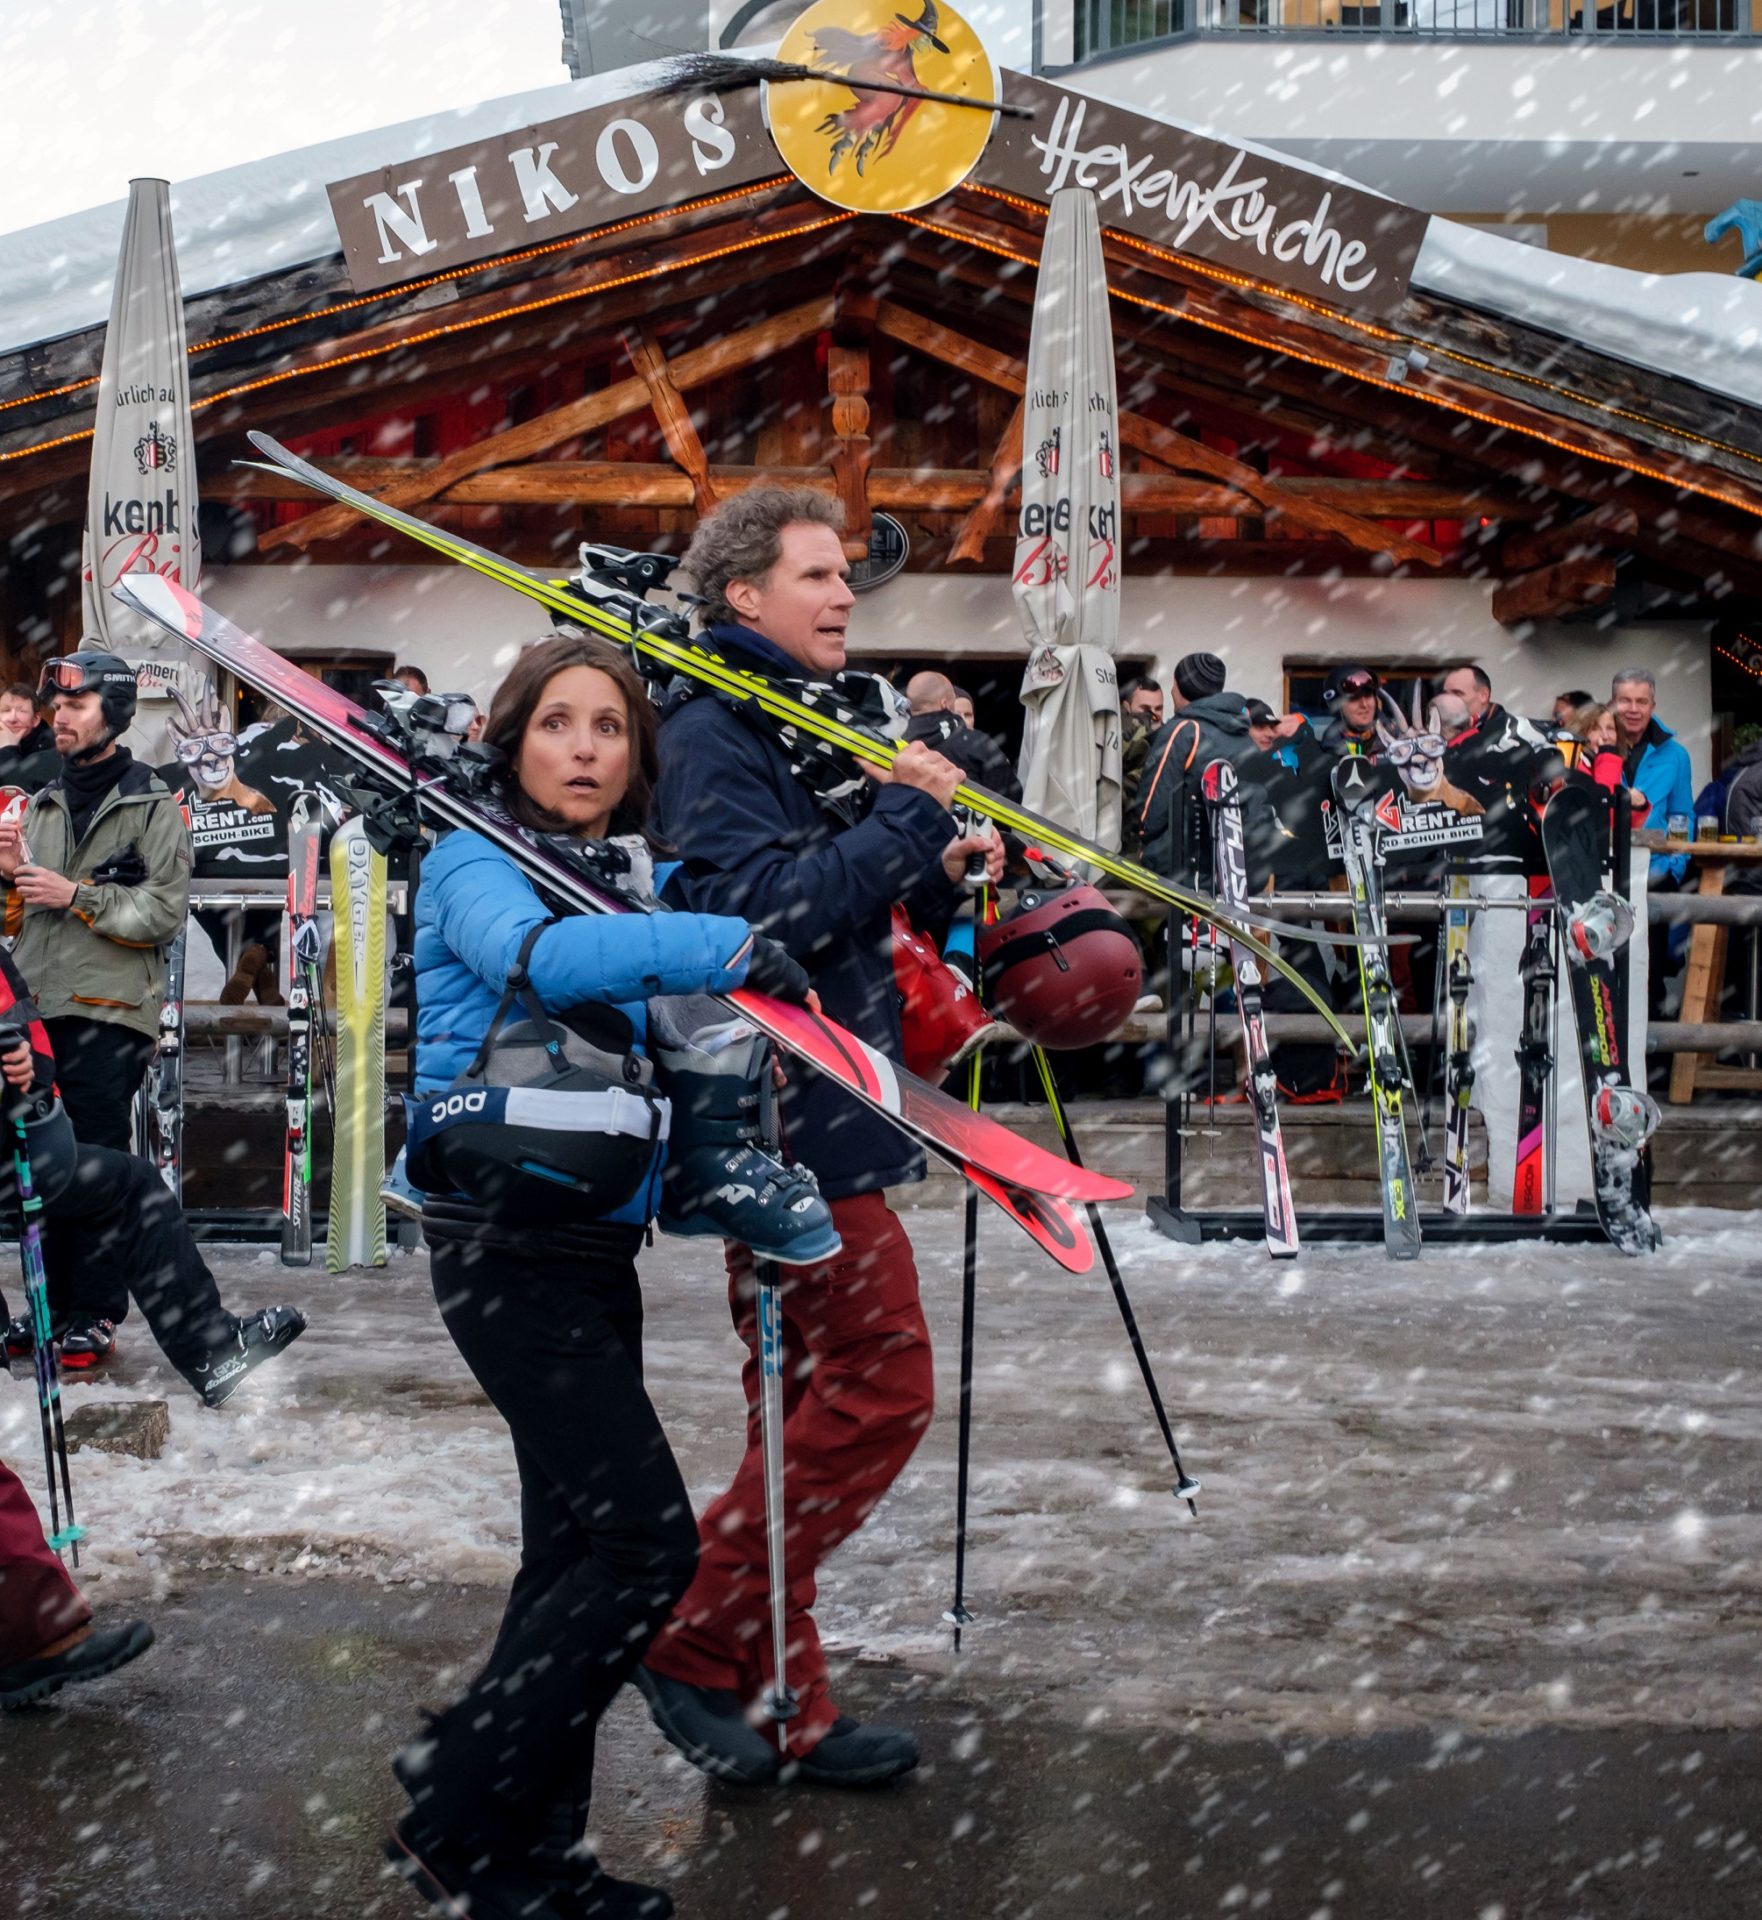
point(719, 1179)
point(85, 1342)
point(258, 1338)
point(19, 1339)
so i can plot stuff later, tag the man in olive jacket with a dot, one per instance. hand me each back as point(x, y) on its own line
point(97, 889)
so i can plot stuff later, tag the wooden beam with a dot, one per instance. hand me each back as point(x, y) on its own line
point(1571, 539)
point(1173, 449)
point(694, 368)
point(847, 375)
point(1550, 592)
point(671, 412)
point(1006, 463)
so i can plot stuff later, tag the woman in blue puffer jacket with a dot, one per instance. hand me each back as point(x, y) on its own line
point(549, 1316)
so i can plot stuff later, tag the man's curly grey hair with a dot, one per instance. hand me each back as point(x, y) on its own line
point(743, 540)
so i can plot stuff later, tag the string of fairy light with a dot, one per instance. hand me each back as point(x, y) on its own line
point(998, 249)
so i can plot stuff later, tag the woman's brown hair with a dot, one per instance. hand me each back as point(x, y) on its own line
point(517, 699)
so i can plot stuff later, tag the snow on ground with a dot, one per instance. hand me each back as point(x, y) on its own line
point(1494, 1488)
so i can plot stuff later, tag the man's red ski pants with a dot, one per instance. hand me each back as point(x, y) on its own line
point(857, 1398)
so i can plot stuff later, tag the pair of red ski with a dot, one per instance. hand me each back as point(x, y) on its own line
point(1034, 1187)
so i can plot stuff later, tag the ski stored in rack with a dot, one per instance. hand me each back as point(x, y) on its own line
point(1532, 1177)
point(303, 938)
point(1595, 925)
point(1458, 1064)
point(1034, 1187)
point(1356, 791)
point(609, 599)
point(1230, 862)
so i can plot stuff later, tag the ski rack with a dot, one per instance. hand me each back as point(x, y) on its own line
point(1343, 1226)
point(261, 1226)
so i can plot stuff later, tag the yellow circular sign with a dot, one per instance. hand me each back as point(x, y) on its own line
point(871, 151)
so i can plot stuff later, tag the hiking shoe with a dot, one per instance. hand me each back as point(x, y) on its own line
point(260, 1337)
point(599, 1895)
point(852, 1755)
point(86, 1342)
point(708, 1726)
point(458, 1886)
point(581, 1889)
point(102, 1651)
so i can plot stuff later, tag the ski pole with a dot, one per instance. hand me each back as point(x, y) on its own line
point(780, 1702)
point(1185, 1488)
point(958, 1614)
point(36, 1288)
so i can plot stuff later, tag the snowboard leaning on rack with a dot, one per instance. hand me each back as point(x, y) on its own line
point(356, 1233)
point(1357, 788)
point(1223, 798)
point(405, 764)
point(1596, 925)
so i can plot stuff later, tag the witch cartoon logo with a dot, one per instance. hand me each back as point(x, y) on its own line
point(875, 150)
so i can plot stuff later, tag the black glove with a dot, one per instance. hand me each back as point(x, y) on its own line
point(124, 869)
point(771, 970)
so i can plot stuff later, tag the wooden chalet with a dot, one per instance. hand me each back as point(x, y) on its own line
point(1301, 480)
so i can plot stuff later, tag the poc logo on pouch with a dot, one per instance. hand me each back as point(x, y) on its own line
point(457, 1103)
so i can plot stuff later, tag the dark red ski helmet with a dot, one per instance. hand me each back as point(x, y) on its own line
point(1064, 969)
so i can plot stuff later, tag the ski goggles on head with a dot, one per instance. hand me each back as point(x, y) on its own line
point(1417, 746)
point(222, 746)
point(1355, 688)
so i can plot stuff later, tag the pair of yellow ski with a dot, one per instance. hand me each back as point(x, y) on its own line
point(626, 619)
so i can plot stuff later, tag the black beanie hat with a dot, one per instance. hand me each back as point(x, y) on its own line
point(1197, 674)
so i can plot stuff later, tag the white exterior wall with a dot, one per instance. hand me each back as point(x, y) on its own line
point(463, 631)
point(1455, 126)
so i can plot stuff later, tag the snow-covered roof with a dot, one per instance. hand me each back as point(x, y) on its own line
point(263, 217)
point(272, 215)
point(1702, 327)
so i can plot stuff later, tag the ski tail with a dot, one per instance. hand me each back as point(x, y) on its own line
point(1222, 793)
point(356, 1236)
point(1355, 790)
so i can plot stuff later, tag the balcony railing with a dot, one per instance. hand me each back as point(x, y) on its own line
point(1111, 26)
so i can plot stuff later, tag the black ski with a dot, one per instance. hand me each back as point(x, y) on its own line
point(1230, 867)
point(165, 1078)
point(1535, 1056)
point(1356, 791)
point(1458, 1066)
point(1596, 924)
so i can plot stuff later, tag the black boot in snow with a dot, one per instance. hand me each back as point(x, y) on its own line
point(260, 1337)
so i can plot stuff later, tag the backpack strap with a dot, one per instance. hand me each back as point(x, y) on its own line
point(518, 987)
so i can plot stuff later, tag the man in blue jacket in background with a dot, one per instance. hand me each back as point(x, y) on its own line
point(1654, 763)
point(814, 852)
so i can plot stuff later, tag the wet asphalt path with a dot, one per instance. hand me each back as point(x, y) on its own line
point(239, 1770)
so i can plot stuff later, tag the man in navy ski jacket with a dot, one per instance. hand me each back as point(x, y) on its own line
point(815, 856)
